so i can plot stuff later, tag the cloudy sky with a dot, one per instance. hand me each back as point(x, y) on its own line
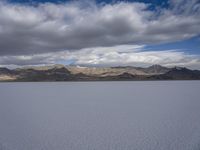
point(100, 33)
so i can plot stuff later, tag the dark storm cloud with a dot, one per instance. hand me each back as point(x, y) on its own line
point(26, 29)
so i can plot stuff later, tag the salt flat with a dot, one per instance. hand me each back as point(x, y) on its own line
point(149, 115)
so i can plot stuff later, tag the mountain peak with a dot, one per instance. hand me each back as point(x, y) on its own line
point(156, 69)
point(156, 66)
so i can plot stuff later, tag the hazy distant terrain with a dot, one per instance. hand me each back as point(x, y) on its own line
point(161, 115)
point(76, 73)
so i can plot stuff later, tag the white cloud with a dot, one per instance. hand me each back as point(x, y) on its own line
point(47, 27)
point(135, 56)
point(123, 55)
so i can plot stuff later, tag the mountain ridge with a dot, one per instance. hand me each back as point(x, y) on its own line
point(75, 73)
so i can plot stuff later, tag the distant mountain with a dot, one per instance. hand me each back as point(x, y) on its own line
point(179, 73)
point(105, 71)
point(73, 73)
point(52, 74)
point(7, 75)
point(5, 71)
point(156, 69)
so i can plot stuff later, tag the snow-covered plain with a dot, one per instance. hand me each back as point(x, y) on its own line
point(149, 115)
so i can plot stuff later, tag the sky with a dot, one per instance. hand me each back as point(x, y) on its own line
point(100, 33)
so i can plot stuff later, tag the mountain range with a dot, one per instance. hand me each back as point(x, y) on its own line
point(77, 73)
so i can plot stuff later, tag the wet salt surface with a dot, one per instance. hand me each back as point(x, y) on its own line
point(151, 115)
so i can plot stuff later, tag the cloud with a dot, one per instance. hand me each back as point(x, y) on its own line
point(123, 55)
point(51, 28)
point(132, 55)
point(94, 34)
